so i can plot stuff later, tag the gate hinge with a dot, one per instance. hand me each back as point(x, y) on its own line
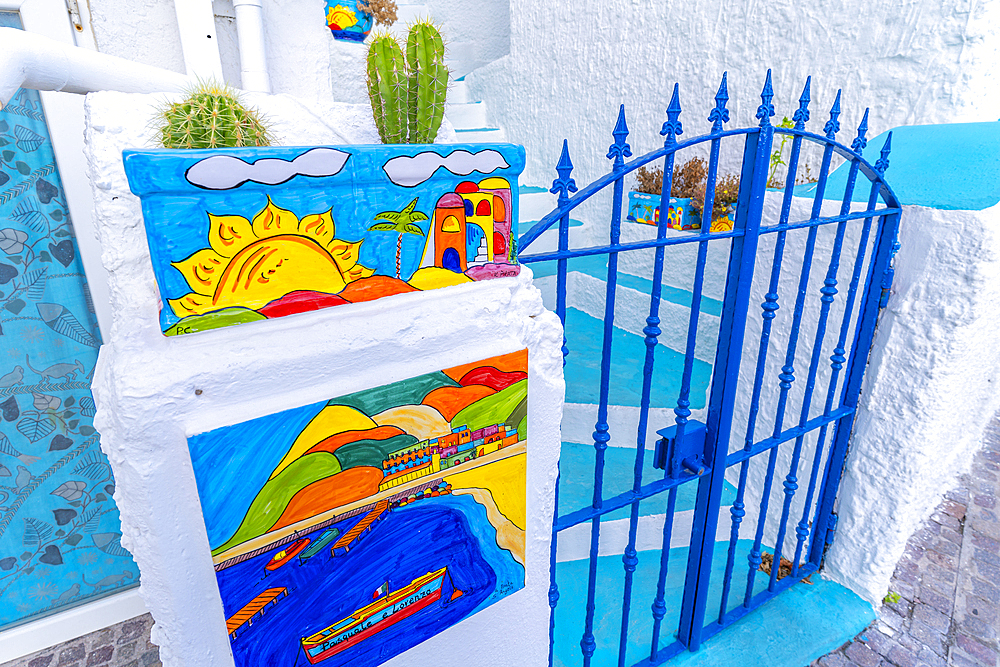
point(886, 287)
point(73, 7)
point(889, 275)
point(683, 455)
point(831, 527)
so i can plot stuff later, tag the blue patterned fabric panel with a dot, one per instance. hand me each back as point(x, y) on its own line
point(60, 536)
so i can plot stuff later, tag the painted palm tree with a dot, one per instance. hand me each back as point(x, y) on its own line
point(400, 222)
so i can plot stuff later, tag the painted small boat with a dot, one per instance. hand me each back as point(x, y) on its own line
point(328, 536)
point(387, 609)
point(285, 555)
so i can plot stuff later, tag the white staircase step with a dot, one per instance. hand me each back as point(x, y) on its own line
point(481, 135)
point(466, 116)
point(458, 92)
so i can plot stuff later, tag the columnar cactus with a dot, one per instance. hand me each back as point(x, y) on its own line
point(211, 116)
point(428, 83)
point(408, 92)
point(387, 88)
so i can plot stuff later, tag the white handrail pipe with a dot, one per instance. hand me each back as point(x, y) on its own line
point(29, 60)
point(253, 53)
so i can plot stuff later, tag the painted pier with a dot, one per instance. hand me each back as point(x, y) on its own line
point(256, 606)
point(351, 537)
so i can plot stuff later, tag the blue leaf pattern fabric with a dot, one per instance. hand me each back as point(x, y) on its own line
point(60, 536)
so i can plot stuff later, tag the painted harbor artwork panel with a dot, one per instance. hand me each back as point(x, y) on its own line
point(349, 531)
point(247, 234)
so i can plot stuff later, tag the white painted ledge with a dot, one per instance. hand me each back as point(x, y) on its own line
point(70, 624)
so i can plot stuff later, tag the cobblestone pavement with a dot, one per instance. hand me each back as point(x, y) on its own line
point(124, 645)
point(943, 607)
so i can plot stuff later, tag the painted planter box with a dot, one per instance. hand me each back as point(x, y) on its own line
point(241, 235)
point(644, 208)
point(346, 21)
point(408, 501)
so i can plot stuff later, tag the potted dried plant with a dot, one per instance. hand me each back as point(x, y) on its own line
point(687, 197)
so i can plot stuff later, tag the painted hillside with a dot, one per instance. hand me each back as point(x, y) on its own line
point(338, 457)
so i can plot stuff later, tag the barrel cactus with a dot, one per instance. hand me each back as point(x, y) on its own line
point(408, 92)
point(212, 115)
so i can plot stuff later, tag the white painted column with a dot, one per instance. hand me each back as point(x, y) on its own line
point(253, 53)
point(196, 22)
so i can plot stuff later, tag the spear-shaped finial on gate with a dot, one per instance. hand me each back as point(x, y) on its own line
point(861, 140)
point(883, 162)
point(720, 114)
point(801, 115)
point(673, 127)
point(563, 185)
point(766, 109)
point(832, 126)
point(620, 149)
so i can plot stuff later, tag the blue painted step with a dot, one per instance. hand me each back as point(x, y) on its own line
point(576, 481)
point(585, 335)
point(800, 625)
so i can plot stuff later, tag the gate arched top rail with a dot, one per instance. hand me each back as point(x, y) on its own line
point(565, 184)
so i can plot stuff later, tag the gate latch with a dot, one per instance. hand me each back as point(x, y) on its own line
point(681, 454)
point(831, 528)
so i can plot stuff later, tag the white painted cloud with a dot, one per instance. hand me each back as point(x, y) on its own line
point(412, 171)
point(224, 172)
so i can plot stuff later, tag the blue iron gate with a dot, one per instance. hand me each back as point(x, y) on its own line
point(863, 235)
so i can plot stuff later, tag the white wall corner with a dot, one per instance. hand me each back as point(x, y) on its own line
point(930, 390)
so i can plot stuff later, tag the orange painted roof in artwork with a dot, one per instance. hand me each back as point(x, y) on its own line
point(251, 608)
point(515, 361)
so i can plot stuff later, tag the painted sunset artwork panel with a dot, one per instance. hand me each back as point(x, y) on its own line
point(247, 234)
point(348, 531)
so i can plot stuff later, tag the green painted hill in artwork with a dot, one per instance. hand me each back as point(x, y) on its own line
point(267, 507)
point(495, 409)
point(371, 452)
point(406, 392)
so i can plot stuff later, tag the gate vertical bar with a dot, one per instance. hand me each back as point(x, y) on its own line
point(601, 435)
point(742, 260)
point(562, 186)
point(769, 311)
point(672, 127)
point(886, 245)
point(829, 291)
point(787, 375)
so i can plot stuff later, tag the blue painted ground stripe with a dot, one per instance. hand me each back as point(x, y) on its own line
point(597, 267)
point(584, 335)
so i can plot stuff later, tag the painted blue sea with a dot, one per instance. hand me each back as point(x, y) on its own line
point(448, 531)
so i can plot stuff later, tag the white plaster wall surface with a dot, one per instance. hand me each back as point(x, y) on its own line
point(141, 30)
point(930, 391)
point(572, 63)
point(477, 32)
point(145, 388)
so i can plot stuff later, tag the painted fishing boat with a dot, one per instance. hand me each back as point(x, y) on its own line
point(387, 609)
point(328, 536)
point(285, 555)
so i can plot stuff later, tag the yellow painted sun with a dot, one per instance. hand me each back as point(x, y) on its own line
point(250, 264)
point(341, 17)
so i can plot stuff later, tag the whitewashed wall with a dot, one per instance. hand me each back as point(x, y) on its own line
point(572, 63)
point(147, 404)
